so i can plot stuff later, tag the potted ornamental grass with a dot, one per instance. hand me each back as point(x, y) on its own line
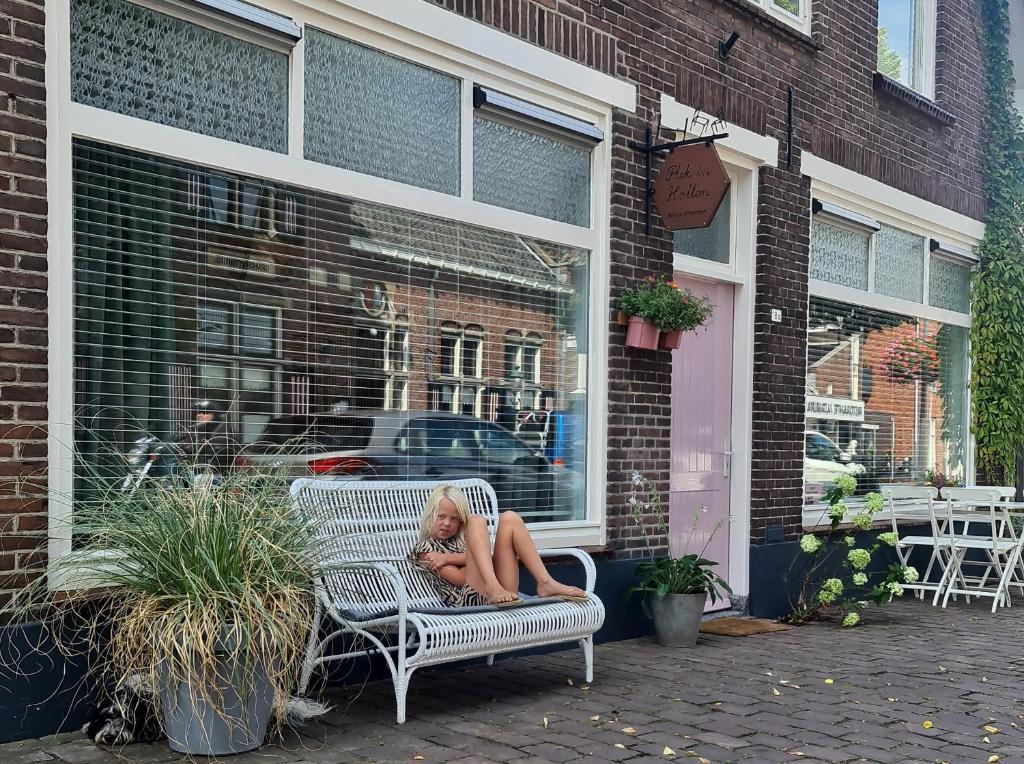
point(674, 588)
point(659, 312)
point(200, 590)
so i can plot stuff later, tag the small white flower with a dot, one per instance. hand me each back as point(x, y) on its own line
point(638, 479)
point(810, 543)
point(910, 574)
point(852, 619)
point(860, 579)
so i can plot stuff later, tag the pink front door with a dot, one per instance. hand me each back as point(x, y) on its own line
point(701, 433)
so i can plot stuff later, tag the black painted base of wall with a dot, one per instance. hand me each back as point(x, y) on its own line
point(41, 692)
point(50, 695)
point(777, 570)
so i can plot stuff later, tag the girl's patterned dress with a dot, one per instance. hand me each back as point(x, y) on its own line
point(451, 594)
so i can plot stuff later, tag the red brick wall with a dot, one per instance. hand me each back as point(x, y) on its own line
point(22, 292)
point(671, 46)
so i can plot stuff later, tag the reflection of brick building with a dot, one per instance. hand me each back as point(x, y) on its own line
point(289, 302)
point(896, 413)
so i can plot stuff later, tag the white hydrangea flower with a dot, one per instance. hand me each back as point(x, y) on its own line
point(862, 521)
point(852, 619)
point(830, 590)
point(847, 484)
point(890, 538)
point(873, 503)
point(837, 511)
point(910, 574)
point(850, 540)
point(859, 558)
point(894, 588)
point(810, 543)
point(860, 579)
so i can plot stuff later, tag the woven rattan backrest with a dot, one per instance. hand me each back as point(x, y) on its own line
point(379, 521)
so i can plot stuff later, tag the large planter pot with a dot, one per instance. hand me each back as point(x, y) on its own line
point(677, 618)
point(671, 340)
point(216, 721)
point(642, 334)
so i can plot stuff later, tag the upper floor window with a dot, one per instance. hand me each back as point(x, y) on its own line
point(906, 43)
point(796, 13)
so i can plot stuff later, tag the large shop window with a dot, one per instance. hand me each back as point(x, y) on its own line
point(348, 339)
point(886, 389)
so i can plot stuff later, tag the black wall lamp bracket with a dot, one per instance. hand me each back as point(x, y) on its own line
point(725, 47)
point(648, 148)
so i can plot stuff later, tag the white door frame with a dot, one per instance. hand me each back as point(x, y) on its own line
point(743, 153)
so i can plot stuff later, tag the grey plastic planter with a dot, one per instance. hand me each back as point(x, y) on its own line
point(677, 618)
point(234, 720)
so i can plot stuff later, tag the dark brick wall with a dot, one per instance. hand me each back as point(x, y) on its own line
point(23, 319)
point(671, 46)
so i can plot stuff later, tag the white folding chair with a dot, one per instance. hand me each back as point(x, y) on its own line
point(920, 506)
point(997, 545)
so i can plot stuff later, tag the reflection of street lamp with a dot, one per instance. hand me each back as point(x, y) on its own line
point(516, 375)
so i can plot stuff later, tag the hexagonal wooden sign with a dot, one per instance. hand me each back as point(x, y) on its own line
point(690, 187)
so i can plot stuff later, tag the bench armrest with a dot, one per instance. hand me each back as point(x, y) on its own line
point(386, 574)
point(585, 560)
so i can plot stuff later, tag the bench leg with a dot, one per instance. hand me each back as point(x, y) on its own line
point(490, 659)
point(401, 688)
point(313, 648)
point(587, 643)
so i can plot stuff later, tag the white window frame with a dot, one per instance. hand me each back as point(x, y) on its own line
point(801, 22)
point(411, 29)
point(866, 196)
point(923, 71)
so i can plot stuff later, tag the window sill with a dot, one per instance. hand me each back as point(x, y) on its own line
point(899, 92)
point(762, 16)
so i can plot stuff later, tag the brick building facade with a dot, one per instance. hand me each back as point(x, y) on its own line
point(809, 89)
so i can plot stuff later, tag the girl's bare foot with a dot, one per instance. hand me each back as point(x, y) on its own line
point(553, 588)
point(498, 596)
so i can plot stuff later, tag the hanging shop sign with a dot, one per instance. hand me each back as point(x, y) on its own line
point(690, 187)
point(840, 409)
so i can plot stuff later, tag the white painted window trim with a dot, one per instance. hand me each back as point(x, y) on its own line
point(922, 72)
point(802, 22)
point(412, 29)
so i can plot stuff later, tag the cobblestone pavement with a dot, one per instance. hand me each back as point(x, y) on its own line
point(818, 693)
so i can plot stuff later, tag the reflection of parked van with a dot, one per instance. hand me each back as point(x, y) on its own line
point(823, 461)
point(559, 434)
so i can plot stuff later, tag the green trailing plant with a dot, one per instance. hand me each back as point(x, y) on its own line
point(660, 575)
point(663, 303)
point(851, 584)
point(997, 337)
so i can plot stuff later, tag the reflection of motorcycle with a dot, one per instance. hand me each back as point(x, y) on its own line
point(150, 458)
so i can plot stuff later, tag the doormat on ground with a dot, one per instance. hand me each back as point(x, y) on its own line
point(741, 627)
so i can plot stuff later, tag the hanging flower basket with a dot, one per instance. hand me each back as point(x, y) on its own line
point(658, 306)
point(910, 359)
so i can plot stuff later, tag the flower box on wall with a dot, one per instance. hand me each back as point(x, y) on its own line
point(642, 334)
point(659, 312)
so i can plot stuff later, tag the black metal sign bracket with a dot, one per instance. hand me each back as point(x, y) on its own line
point(649, 148)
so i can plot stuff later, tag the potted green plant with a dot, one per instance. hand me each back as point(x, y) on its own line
point(674, 588)
point(660, 312)
point(203, 590)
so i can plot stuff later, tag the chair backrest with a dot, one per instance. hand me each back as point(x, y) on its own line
point(917, 493)
point(984, 498)
point(379, 521)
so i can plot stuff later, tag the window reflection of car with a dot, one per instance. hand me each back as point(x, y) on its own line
point(375, 444)
point(823, 460)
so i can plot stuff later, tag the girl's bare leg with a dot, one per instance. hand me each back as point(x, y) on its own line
point(480, 572)
point(512, 545)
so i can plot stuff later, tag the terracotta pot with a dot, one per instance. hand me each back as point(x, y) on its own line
point(671, 340)
point(642, 334)
point(623, 318)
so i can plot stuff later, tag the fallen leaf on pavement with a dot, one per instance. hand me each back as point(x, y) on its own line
point(993, 759)
point(417, 758)
point(830, 681)
point(942, 669)
point(990, 728)
point(569, 681)
point(545, 722)
point(668, 752)
point(985, 739)
point(619, 745)
point(595, 718)
point(629, 730)
point(775, 691)
point(927, 724)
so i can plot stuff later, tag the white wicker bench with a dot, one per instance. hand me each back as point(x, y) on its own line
point(380, 595)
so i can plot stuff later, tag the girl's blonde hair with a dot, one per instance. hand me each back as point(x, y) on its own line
point(457, 497)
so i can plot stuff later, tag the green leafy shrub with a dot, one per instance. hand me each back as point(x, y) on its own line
point(663, 303)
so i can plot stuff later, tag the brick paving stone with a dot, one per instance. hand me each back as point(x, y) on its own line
point(715, 701)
